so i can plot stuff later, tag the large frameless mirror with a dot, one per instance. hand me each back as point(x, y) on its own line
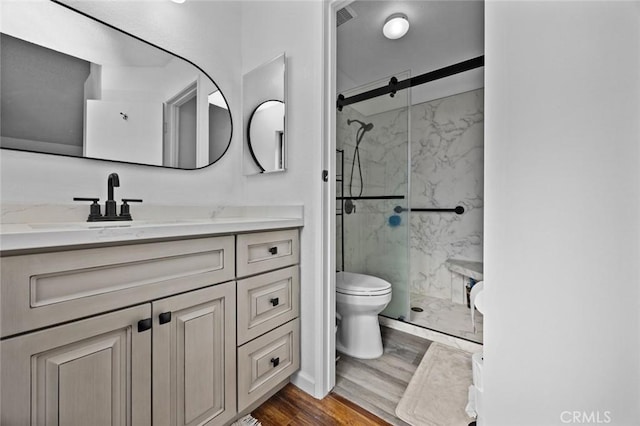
point(264, 111)
point(72, 85)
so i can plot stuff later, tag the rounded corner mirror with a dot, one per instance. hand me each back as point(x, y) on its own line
point(264, 104)
point(266, 136)
point(95, 91)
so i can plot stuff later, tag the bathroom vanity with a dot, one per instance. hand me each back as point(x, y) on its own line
point(163, 324)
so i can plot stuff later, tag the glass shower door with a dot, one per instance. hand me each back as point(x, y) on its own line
point(372, 139)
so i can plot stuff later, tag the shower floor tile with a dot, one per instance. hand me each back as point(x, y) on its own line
point(445, 316)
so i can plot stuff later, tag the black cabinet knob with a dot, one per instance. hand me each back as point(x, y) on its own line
point(275, 301)
point(144, 325)
point(273, 250)
point(164, 317)
point(275, 361)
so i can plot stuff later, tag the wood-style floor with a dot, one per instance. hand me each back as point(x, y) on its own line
point(366, 391)
point(291, 406)
point(378, 384)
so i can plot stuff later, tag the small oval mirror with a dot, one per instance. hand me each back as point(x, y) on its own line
point(266, 136)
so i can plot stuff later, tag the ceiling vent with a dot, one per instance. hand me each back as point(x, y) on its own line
point(344, 15)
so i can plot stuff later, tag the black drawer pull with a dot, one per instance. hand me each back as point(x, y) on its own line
point(144, 325)
point(273, 250)
point(275, 301)
point(164, 317)
point(275, 361)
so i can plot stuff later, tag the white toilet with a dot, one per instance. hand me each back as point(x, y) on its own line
point(359, 300)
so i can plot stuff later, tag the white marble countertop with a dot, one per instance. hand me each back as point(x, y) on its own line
point(38, 235)
point(468, 268)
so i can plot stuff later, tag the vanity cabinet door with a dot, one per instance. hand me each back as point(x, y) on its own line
point(194, 357)
point(90, 372)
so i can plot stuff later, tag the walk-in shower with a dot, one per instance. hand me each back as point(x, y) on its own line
point(410, 195)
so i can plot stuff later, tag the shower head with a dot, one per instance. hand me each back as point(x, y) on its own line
point(365, 126)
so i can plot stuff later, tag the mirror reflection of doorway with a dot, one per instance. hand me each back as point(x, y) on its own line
point(187, 134)
point(181, 129)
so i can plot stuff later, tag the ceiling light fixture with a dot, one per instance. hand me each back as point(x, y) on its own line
point(178, 1)
point(395, 26)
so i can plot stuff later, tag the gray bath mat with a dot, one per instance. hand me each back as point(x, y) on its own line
point(438, 391)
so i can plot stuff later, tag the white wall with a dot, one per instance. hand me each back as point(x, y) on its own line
point(224, 38)
point(562, 213)
point(295, 27)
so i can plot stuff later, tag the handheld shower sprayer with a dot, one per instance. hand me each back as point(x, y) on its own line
point(364, 127)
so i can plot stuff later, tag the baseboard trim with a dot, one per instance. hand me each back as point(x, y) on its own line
point(305, 382)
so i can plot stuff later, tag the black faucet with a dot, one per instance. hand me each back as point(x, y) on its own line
point(110, 214)
point(110, 205)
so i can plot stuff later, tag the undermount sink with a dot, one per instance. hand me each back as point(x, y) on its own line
point(109, 224)
point(146, 225)
point(78, 225)
point(38, 234)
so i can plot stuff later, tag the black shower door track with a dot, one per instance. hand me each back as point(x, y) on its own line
point(395, 85)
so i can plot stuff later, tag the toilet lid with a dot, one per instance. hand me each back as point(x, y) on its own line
point(361, 285)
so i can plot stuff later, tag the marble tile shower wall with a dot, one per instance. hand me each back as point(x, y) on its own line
point(371, 245)
point(446, 170)
point(447, 159)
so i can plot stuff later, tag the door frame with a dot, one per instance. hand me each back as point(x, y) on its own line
point(172, 122)
point(329, 194)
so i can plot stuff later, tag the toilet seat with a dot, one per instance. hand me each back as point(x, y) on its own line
point(355, 292)
point(360, 285)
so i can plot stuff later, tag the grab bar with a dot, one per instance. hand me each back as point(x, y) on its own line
point(456, 210)
point(378, 197)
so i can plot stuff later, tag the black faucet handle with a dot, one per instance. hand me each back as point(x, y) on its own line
point(124, 208)
point(94, 208)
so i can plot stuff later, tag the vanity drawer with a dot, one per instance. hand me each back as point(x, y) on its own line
point(43, 289)
point(265, 251)
point(267, 301)
point(267, 361)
